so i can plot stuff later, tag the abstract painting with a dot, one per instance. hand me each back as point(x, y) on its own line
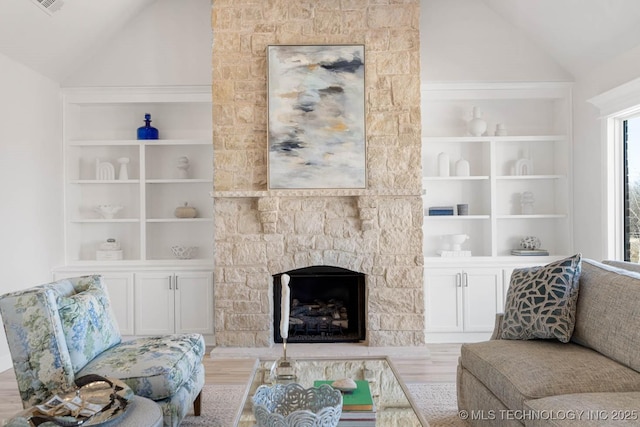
point(316, 131)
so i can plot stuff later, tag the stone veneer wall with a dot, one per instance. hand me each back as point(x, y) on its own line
point(377, 231)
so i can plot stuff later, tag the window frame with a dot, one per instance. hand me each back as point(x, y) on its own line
point(616, 106)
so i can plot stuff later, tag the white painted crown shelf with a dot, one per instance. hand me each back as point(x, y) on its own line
point(100, 125)
point(537, 117)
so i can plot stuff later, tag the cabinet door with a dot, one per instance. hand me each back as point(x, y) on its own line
point(120, 289)
point(443, 297)
point(194, 302)
point(154, 303)
point(482, 294)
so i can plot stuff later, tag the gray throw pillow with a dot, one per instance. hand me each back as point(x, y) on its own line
point(541, 301)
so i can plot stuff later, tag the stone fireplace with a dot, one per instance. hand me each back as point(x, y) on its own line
point(260, 233)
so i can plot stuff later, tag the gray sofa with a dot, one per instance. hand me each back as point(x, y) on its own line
point(594, 380)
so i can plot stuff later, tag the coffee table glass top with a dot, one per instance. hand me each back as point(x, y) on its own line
point(394, 406)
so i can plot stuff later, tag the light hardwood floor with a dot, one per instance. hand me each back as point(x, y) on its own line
point(440, 366)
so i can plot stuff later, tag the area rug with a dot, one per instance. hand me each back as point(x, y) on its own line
point(436, 402)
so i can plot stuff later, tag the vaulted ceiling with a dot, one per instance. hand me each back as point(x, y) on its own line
point(578, 34)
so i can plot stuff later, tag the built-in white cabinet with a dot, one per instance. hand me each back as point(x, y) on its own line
point(170, 302)
point(462, 300)
point(514, 177)
point(120, 288)
point(145, 180)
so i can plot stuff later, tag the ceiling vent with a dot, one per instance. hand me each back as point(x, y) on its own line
point(48, 6)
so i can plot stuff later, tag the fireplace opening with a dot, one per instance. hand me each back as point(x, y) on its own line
point(327, 305)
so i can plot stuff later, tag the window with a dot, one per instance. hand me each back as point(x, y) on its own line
point(631, 180)
point(620, 139)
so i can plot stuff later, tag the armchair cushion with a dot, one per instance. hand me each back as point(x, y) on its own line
point(154, 367)
point(88, 324)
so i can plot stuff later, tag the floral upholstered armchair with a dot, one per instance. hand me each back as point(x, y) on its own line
point(63, 330)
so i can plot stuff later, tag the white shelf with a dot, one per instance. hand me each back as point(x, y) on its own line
point(538, 122)
point(100, 125)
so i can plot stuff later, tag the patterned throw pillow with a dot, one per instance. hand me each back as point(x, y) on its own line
point(541, 301)
point(88, 324)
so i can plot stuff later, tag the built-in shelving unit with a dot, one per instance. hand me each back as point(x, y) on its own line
point(537, 118)
point(100, 130)
point(100, 126)
point(463, 293)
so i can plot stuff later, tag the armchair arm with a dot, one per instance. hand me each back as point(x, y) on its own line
point(497, 328)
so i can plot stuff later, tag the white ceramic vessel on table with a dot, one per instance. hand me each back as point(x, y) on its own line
point(108, 211)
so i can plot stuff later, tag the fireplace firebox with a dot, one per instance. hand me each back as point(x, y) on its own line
point(327, 305)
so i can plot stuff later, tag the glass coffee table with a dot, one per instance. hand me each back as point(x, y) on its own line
point(393, 403)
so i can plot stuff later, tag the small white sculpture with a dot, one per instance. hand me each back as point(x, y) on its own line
point(501, 129)
point(526, 203)
point(443, 164)
point(183, 167)
point(105, 171)
point(462, 167)
point(123, 173)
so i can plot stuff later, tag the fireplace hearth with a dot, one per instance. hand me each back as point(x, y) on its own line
point(327, 305)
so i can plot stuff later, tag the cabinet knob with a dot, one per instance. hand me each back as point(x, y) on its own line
point(465, 280)
point(176, 283)
point(458, 280)
point(170, 286)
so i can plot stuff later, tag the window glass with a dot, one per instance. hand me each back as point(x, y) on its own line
point(631, 129)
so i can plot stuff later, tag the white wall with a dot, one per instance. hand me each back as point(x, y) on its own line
point(30, 180)
point(169, 43)
point(464, 40)
point(588, 177)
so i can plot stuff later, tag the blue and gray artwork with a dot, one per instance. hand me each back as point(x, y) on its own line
point(316, 117)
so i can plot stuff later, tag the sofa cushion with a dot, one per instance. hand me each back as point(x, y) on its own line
point(608, 312)
point(154, 367)
point(89, 325)
point(585, 409)
point(541, 301)
point(516, 371)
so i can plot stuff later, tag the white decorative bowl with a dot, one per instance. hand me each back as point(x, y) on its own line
point(108, 211)
point(292, 405)
point(184, 252)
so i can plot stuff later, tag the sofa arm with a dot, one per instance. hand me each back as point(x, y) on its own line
point(497, 327)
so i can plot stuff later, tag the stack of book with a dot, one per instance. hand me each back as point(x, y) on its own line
point(358, 409)
point(440, 210)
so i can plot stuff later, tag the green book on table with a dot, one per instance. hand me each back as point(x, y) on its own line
point(358, 400)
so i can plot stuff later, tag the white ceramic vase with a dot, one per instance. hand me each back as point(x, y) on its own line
point(477, 126)
point(443, 164)
point(462, 167)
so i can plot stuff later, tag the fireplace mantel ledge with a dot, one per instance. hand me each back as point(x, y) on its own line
point(339, 192)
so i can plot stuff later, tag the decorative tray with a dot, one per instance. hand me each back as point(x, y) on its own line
point(94, 401)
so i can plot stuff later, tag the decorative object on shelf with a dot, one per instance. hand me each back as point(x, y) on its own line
point(147, 131)
point(477, 126)
point(185, 211)
point(501, 129)
point(443, 164)
point(292, 405)
point(457, 240)
point(524, 165)
point(109, 251)
point(530, 242)
point(105, 171)
point(184, 252)
point(462, 167)
point(316, 138)
point(123, 173)
point(463, 209)
point(530, 252)
point(453, 246)
point(283, 370)
point(526, 203)
point(183, 167)
point(108, 211)
point(440, 210)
